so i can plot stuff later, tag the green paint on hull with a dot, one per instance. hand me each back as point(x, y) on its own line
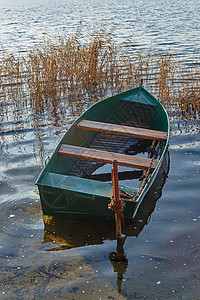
point(64, 194)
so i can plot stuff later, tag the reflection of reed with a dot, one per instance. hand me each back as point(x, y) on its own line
point(40, 145)
point(16, 130)
point(28, 131)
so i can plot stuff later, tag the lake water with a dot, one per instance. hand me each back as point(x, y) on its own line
point(174, 24)
point(161, 253)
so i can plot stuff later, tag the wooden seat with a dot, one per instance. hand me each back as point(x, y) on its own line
point(107, 157)
point(123, 130)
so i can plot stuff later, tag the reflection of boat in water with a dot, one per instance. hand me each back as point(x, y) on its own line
point(131, 129)
point(71, 233)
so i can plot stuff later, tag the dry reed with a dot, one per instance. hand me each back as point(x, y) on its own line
point(73, 70)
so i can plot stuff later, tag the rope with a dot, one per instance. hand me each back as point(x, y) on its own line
point(117, 207)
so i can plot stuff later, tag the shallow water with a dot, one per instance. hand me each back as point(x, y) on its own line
point(56, 258)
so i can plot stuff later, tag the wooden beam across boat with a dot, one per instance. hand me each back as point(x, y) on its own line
point(107, 157)
point(123, 130)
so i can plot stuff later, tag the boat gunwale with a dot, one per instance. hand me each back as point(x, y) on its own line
point(76, 121)
point(151, 178)
point(156, 170)
point(102, 196)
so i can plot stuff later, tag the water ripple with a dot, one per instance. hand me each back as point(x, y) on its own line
point(161, 24)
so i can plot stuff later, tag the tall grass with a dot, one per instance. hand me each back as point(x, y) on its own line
point(72, 70)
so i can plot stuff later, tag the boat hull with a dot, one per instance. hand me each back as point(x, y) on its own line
point(59, 196)
point(65, 184)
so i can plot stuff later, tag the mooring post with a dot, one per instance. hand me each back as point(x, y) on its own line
point(116, 197)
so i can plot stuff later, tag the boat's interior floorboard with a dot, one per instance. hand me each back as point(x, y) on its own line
point(124, 175)
point(112, 143)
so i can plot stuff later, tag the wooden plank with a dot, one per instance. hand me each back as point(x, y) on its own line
point(116, 197)
point(106, 157)
point(123, 130)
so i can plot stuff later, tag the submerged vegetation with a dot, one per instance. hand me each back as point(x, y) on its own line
point(74, 70)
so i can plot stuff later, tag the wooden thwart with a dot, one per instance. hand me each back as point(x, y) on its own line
point(106, 157)
point(123, 130)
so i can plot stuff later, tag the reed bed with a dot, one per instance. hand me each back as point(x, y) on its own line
point(72, 71)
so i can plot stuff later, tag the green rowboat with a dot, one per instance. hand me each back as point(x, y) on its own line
point(131, 128)
point(59, 230)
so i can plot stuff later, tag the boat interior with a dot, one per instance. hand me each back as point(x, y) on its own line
point(130, 130)
point(120, 142)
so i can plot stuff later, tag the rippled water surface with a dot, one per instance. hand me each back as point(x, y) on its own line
point(161, 24)
point(49, 258)
point(37, 259)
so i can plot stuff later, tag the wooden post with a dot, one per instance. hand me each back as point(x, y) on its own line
point(115, 183)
